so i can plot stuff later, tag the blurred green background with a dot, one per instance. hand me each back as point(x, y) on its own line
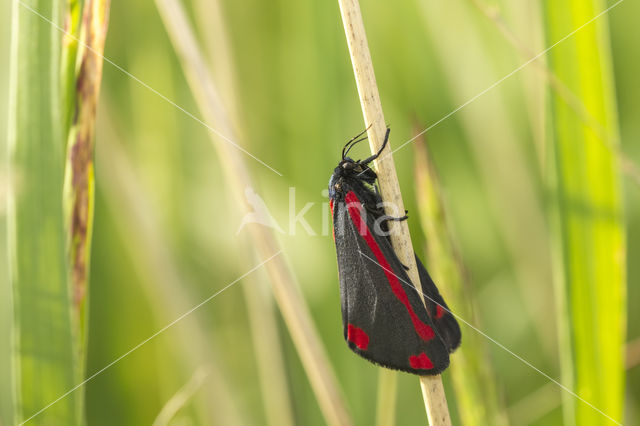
point(165, 229)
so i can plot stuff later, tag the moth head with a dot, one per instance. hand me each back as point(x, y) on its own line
point(348, 166)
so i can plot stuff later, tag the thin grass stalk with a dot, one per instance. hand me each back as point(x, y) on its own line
point(432, 389)
point(43, 352)
point(79, 177)
point(181, 398)
point(293, 307)
point(210, 19)
point(275, 394)
point(164, 283)
point(475, 386)
point(271, 364)
point(587, 216)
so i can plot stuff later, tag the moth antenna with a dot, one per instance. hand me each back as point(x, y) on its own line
point(351, 141)
point(354, 144)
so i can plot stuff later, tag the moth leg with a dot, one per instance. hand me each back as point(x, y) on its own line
point(382, 221)
point(395, 219)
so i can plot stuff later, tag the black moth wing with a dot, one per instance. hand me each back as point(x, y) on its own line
point(438, 310)
point(378, 324)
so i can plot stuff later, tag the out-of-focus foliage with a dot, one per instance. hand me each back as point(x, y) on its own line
point(164, 239)
point(587, 217)
point(6, 409)
point(471, 375)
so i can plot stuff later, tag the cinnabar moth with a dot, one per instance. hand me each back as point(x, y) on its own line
point(383, 316)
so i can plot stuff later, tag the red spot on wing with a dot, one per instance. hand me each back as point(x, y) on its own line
point(331, 205)
point(420, 362)
point(439, 311)
point(353, 204)
point(357, 336)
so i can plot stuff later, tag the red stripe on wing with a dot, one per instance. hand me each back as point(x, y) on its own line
point(354, 205)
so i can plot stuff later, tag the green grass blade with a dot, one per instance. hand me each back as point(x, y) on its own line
point(79, 181)
point(6, 316)
point(72, 21)
point(6, 320)
point(473, 381)
point(43, 352)
point(589, 242)
point(80, 98)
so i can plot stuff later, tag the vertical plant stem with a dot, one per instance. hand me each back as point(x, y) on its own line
point(471, 372)
point(284, 285)
point(588, 225)
point(79, 169)
point(432, 389)
point(271, 367)
point(43, 355)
